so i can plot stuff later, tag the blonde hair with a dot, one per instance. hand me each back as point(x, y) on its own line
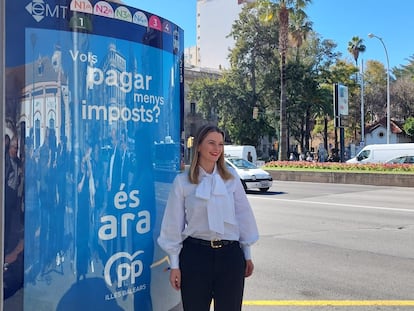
point(194, 171)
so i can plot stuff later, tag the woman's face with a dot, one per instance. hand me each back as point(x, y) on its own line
point(211, 148)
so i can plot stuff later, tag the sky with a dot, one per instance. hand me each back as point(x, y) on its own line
point(338, 20)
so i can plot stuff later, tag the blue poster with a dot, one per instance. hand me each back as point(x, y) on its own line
point(94, 97)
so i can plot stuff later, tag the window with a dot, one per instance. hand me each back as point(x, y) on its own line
point(363, 155)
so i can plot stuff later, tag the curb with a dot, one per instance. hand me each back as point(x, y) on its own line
point(375, 179)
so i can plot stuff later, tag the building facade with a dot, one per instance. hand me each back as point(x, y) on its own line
point(193, 119)
point(214, 24)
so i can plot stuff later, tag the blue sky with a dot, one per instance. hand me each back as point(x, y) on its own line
point(338, 20)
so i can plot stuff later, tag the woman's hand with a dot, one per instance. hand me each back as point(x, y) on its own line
point(175, 278)
point(249, 268)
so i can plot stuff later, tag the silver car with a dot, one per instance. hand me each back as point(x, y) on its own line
point(401, 160)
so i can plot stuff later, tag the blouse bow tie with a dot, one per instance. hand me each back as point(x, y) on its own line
point(219, 209)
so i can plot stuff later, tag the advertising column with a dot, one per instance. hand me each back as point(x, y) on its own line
point(93, 111)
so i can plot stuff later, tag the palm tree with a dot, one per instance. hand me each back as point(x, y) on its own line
point(299, 28)
point(284, 8)
point(356, 46)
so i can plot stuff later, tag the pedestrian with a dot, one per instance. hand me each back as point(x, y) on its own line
point(322, 153)
point(208, 228)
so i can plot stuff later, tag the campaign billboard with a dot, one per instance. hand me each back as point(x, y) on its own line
point(93, 118)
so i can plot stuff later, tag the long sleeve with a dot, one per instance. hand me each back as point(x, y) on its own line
point(173, 223)
point(209, 210)
point(249, 233)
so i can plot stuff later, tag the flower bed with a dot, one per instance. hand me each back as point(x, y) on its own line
point(344, 167)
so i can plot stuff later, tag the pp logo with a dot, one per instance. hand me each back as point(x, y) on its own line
point(131, 269)
point(39, 10)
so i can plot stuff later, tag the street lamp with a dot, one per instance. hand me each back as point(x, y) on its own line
point(371, 35)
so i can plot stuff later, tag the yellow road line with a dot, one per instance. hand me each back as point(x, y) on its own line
point(325, 303)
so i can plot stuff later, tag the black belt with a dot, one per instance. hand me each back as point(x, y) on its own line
point(213, 243)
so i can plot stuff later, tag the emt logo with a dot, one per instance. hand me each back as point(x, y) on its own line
point(39, 10)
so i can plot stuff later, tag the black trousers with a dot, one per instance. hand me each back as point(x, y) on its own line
point(212, 273)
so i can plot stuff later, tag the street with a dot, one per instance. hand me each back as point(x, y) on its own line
point(332, 247)
point(328, 247)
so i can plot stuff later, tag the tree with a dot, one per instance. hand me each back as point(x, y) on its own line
point(248, 84)
point(405, 70)
point(325, 60)
point(342, 72)
point(403, 98)
point(409, 127)
point(252, 82)
point(299, 29)
point(375, 90)
point(356, 46)
point(308, 98)
point(402, 91)
point(283, 8)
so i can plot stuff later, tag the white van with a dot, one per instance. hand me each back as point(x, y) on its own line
point(381, 153)
point(245, 152)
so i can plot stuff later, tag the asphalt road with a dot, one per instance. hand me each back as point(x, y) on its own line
point(332, 247)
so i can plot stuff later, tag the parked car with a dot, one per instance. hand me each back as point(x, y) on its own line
point(381, 153)
point(401, 160)
point(250, 175)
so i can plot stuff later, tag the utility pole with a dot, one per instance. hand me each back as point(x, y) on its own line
point(362, 106)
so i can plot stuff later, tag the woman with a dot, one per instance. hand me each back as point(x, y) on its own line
point(207, 229)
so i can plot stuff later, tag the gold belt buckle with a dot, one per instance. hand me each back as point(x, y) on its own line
point(213, 245)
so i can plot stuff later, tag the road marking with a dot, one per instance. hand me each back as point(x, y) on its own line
point(328, 303)
point(337, 204)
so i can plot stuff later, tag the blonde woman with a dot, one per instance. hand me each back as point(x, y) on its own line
point(208, 228)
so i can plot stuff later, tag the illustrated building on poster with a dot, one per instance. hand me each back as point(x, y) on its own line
point(45, 99)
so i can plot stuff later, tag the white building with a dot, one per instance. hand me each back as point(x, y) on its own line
point(190, 56)
point(214, 23)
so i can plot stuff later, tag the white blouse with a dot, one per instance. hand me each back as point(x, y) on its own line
point(212, 209)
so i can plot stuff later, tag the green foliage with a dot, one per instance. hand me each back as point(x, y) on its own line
point(310, 67)
point(405, 70)
point(356, 46)
point(409, 126)
point(249, 83)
